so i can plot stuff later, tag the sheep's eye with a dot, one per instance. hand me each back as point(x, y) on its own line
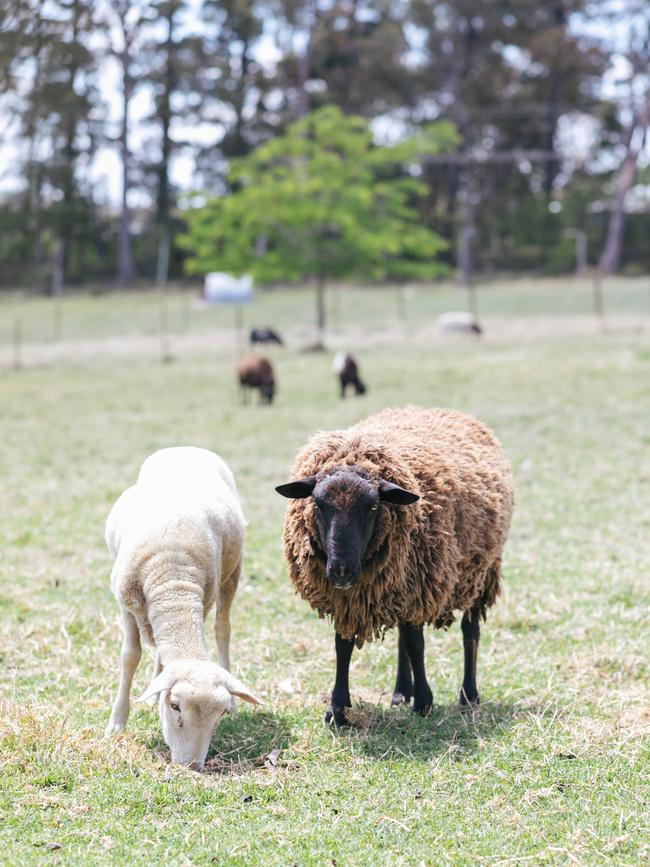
point(174, 705)
point(374, 508)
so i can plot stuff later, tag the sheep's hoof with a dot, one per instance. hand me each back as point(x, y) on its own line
point(400, 698)
point(338, 716)
point(423, 704)
point(113, 728)
point(466, 704)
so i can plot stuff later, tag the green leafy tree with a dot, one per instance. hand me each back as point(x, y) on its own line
point(322, 202)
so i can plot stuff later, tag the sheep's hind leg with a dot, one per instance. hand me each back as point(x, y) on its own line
point(129, 661)
point(341, 692)
point(471, 635)
point(404, 684)
point(414, 643)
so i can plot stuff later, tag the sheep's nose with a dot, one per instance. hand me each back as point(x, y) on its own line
point(341, 574)
point(192, 764)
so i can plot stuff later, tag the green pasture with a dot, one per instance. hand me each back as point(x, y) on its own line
point(555, 767)
point(102, 314)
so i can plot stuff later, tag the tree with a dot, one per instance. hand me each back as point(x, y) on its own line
point(321, 202)
point(70, 97)
point(635, 122)
point(232, 84)
point(357, 54)
point(129, 19)
point(173, 56)
point(506, 74)
point(51, 76)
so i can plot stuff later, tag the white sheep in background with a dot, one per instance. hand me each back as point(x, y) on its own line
point(458, 322)
point(176, 538)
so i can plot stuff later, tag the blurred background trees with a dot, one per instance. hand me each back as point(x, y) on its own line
point(111, 112)
point(322, 202)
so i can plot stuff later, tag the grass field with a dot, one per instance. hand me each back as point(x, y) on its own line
point(553, 769)
point(122, 314)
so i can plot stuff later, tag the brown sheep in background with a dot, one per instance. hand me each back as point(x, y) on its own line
point(400, 521)
point(254, 371)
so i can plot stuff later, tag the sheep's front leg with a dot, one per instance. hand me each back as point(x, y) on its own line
point(414, 643)
point(341, 692)
point(404, 684)
point(471, 635)
point(129, 660)
point(227, 592)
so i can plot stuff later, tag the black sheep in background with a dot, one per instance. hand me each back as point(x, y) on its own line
point(265, 335)
point(347, 370)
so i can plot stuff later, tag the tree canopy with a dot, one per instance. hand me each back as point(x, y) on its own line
point(322, 201)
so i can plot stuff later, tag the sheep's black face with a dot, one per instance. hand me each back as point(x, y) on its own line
point(345, 509)
point(268, 390)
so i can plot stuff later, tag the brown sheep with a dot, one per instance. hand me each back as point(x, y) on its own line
point(400, 521)
point(254, 371)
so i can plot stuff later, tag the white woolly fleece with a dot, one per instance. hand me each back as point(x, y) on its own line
point(183, 508)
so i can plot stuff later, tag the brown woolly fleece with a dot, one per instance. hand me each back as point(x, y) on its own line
point(425, 561)
point(255, 370)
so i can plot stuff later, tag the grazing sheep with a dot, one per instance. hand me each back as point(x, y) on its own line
point(399, 521)
point(176, 538)
point(347, 370)
point(254, 371)
point(458, 322)
point(265, 335)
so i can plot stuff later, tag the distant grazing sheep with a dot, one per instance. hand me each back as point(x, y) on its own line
point(254, 371)
point(399, 521)
point(347, 370)
point(265, 335)
point(176, 538)
point(458, 322)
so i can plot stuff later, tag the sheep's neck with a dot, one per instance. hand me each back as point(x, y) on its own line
point(175, 610)
point(177, 625)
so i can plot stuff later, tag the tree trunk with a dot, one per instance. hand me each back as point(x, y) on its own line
point(60, 272)
point(610, 259)
point(164, 228)
point(126, 271)
point(555, 87)
point(310, 13)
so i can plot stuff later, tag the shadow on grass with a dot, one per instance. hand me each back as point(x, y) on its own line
point(399, 733)
point(239, 745)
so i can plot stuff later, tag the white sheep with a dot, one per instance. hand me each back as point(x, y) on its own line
point(458, 322)
point(176, 538)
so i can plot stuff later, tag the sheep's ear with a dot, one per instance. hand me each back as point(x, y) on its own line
point(165, 680)
point(236, 687)
point(299, 489)
point(390, 493)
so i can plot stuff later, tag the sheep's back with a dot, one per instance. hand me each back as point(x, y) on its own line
point(183, 510)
